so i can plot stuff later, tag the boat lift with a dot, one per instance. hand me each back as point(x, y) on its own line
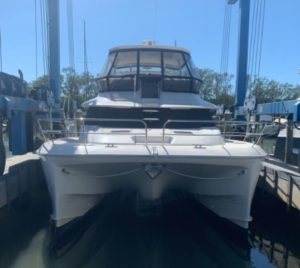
point(287, 108)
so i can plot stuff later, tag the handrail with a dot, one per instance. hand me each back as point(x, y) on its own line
point(94, 119)
point(180, 121)
point(223, 126)
point(215, 122)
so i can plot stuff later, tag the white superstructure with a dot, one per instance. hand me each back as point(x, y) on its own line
point(149, 130)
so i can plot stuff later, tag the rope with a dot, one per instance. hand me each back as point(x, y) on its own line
point(256, 41)
point(46, 23)
point(36, 39)
point(86, 69)
point(70, 34)
point(42, 13)
point(259, 23)
point(44, 33)
point(261, 37)
point(250, 61)
point(228, 41)
point(224, 39)
point(225, 44)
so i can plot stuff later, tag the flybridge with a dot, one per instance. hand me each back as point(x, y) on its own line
point(149, 69)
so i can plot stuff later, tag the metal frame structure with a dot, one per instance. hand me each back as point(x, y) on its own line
point(54, 49)
point(241, 81)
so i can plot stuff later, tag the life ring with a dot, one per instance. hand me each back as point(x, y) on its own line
point(2, 151)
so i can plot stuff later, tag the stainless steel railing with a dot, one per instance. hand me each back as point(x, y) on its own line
point(57, 128)
point(80, 123)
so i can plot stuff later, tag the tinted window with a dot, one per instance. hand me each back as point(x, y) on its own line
point(150, 62)
point(108, 64)
point(125, 63)
point(175, 64)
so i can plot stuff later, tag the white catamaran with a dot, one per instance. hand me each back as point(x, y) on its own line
point(148, 129)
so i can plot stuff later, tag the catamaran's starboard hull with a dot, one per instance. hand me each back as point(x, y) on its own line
point(225, 185)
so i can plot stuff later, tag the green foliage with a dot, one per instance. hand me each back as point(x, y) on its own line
point(266, 90)
point(41, 81)
point(216, 88)
point(219, 89)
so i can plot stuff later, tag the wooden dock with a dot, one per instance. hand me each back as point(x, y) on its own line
point(22, 173)
point(282, 181)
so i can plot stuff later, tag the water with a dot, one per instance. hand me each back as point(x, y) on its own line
point(179, 234)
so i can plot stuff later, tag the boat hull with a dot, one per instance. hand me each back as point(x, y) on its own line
point(225, 185)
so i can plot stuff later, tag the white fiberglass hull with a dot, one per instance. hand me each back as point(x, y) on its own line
point(223, 183)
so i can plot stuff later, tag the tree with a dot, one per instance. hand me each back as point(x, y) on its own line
point(266, 90)
point(216, 88)
point(42, 81)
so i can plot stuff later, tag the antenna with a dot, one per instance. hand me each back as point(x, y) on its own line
point(86, 69)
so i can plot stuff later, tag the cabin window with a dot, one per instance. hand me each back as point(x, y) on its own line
point(121, 83)
point(150, 62)
point(108, 64)
point(191, 65)
point(175, 64)
point(125, 64)
point(155, 118)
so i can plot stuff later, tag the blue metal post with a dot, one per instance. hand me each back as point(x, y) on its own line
point(18, 130)
point(54, 48)
point(241, 82)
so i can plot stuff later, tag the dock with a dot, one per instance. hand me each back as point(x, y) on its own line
point(282, 181)
point(22, 173)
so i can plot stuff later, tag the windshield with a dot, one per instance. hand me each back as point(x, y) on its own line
point(149, 62)
point(125, 63)
point(175, 68)
point(175, 64)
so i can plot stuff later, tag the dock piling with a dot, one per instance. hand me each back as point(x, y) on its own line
point(289, 140)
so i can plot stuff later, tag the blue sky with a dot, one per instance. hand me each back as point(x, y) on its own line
point(194, 24)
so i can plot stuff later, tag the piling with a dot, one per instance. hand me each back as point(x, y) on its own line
point(289, 140)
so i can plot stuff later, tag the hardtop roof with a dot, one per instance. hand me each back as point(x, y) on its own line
point(149, 47)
